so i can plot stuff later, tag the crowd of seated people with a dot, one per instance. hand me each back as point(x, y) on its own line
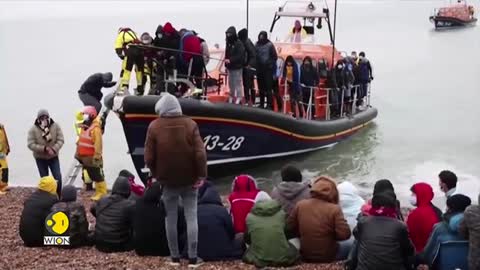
point(315, 221)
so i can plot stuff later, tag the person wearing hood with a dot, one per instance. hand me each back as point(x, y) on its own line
point(45, 140)
point(382, 239)
point(248, 67)
point(175, 154)
point(470, 229)
point(90, 150)
point(4, 151)
point(291, 76)
point(365, 73)
point(298, 33)
point(308, 78)
point(131, 56)
point(215, 226)
point(234, 62)
point(266, 63)
point(137, 190)
point(350, 202)
point(447, 229)
point(421, 220)
point(319, 222)
point(90, 92)
point(265, 236)
point(242, 199)
point(114, 219)
point(291, 190)
point(77, 217)
point(35, 210)
point(150, 237)
point(381, 186)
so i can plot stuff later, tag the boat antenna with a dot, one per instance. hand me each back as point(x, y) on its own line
point(248, 9)
point(334, 33)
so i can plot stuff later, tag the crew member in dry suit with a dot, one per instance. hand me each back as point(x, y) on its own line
point(89, 151)
point(4, 151)
point(131, 56)
point(90, 92)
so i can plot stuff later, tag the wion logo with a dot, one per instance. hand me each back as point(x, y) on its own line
point(57, 224)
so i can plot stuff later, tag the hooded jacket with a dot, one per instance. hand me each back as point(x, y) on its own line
point(308, 75)
point(350, 202)
point(35, 210)
point(382, 244)
point(215, 226)
point(265, 52)
point(296, 74)
point(94, 84)
point(174, 149)
point(77, 217)
point(421, 220)
point(170, 40)
point(37, 142)
point(241, 200)
point(235, 51)
point(4, 146)
point(268, 245)
point(288, 194)
point(319, 222)
point(470, 229)
point(190, 45)
point(250, 54)
point(114, 216)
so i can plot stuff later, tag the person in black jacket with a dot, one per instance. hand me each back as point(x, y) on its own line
point(382, 240)
point(234, 61)
point(90, 92)
point(78, 224)
point(248, 66)
point(149, 224)
point(35, 211)
point(216, 236)
point(308, 77)
point(266, 63)
point(114, 214)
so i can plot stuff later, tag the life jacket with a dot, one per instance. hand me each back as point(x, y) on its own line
point(85, 144)
point(242, 200)
point(128, 37)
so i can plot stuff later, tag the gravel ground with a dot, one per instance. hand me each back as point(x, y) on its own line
point(15, 256)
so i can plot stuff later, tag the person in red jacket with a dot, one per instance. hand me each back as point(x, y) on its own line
point(241, 200)
point(421, 220)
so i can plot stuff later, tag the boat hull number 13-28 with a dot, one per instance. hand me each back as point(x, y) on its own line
point(214, 142)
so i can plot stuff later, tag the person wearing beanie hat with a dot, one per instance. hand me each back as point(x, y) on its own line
point(382, 239)
point(114, 214)
point(4, 151)
point(291, 190)
point(45, 140)
point(90, 92)
point(77, 217)
point(35, 211)
point(234, 61)
point(447, 229)
point(175, 154)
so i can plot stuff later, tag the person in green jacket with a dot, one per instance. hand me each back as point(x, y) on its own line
point(265, 235)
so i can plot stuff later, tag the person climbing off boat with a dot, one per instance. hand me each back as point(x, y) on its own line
point(130, 56)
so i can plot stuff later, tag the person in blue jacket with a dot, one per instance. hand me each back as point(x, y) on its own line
point(291, 76)
point(216, 236)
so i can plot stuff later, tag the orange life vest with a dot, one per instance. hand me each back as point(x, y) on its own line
point(85, 144)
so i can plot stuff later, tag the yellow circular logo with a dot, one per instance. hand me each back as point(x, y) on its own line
point(57, 223)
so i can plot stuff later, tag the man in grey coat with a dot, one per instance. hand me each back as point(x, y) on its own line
point(45, 139)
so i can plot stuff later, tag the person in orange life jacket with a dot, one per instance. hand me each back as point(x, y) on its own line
point(45, 140)
point(90, 92)
point(421, 220)
point(308, 77)
point(291, 77)
point(242, 199)
point(131, 56)
point(89, 151)
point(4, 151)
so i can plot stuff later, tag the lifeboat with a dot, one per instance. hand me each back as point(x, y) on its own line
point(457, 15)
point(235, 135)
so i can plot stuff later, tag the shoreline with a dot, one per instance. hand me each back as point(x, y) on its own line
point(17, 256)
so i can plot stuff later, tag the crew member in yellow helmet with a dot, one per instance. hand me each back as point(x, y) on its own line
point(131, 56)
point(4, 151)
point(89, 150)
point(87, 181)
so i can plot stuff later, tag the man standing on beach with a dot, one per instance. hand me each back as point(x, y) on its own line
point(175, 154)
